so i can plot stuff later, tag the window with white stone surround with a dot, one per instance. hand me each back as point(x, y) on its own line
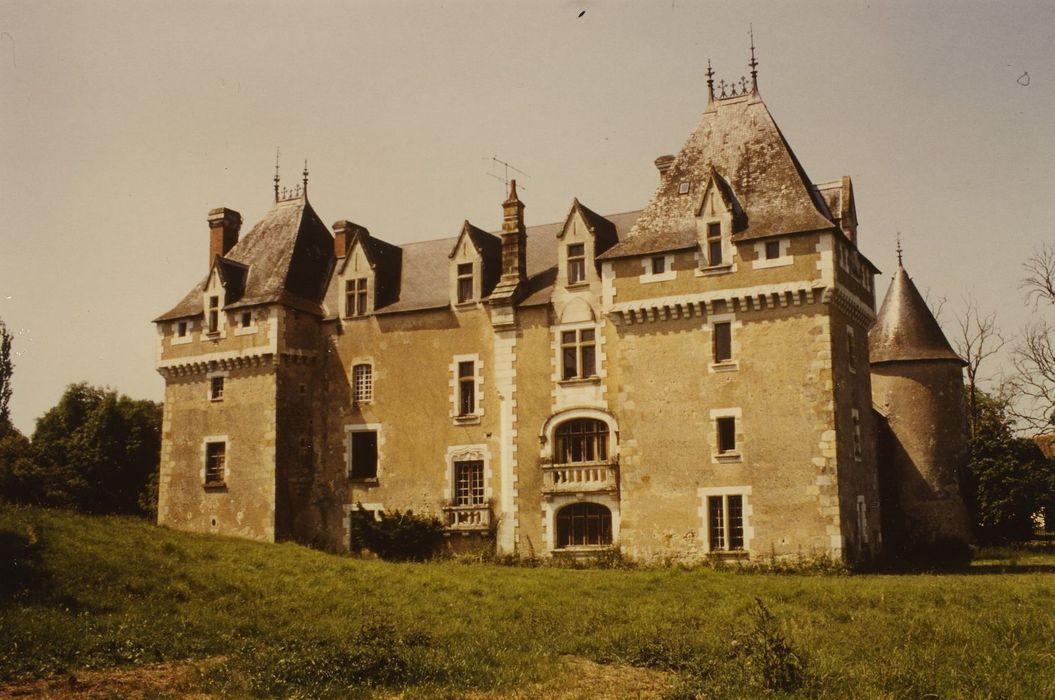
point(725, 515)
point(774, 252)
point(466, 385)
point(362, 383)
point(657, 268)
point(726, 435)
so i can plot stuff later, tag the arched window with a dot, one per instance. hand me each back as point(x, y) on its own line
point(581, 440)
point(584, 525)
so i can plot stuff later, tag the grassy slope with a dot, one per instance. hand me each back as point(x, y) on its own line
point(115, 591)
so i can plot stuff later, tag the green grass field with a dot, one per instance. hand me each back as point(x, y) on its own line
point(83, 593)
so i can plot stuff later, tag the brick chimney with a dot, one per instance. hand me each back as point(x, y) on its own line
point(224, 225)
point(514, 240)
point(343, 232)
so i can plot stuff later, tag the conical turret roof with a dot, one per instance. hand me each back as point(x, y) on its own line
point(905, 329)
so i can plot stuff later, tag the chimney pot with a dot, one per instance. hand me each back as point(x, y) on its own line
point(224, 225)
point(343, 232)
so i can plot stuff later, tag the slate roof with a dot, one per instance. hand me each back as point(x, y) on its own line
point(740, 141)
point(289, 255)
point(905, 329)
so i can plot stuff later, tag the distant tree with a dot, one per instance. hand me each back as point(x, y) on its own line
point(1008, 479)
point(977, 339)
point(96, 451)
point(7, 370)
point(1034, 357)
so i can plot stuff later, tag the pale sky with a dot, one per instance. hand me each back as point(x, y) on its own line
point(123, 123)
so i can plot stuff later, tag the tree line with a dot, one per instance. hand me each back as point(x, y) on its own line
point(96, 451)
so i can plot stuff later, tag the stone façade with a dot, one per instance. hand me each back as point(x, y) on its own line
point(737, 300)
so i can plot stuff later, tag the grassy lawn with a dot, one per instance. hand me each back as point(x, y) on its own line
point(99, 593)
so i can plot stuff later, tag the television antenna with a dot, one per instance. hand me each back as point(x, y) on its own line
point(504, 177)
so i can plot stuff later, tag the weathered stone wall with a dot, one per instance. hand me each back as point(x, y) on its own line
point(925, 412)
point(245, 505)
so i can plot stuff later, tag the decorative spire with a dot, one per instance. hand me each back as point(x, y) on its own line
point(753, 63)
point(710, 82)
point(899, 249)
point(305, 174)
point(277, 150)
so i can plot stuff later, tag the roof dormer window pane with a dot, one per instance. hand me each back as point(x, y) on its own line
point(465, 282)
point(714, 244)
point(576, 263)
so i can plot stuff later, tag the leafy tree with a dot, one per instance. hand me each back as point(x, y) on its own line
point(1008, 479)
point(7, 370)
point(95, 451)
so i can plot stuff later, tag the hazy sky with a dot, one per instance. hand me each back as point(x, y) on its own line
point(123, 123)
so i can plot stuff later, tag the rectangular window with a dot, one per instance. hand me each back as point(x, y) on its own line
point(659, 265)
point(850, 354)
point(723, 341)
point(714, 244)
point(216, 388)
point(465, 282)
point(469, 483)
point(856, 417)
point(355, 297)
point(364, 454)
point(576, 263)
point(725, 522)
point(363, 383)
point(247, 319)
point(466, 388)
point(215, 462)
point(772, 250)
point(579, 353)
point(862, 519)
point(214, 314)
point(181, 329)
point(726, 429)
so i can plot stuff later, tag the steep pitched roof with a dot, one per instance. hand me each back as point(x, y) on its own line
point(489, 247)
point(604, 231)
point(289, 254)
point(739, 140)
point(905, 329)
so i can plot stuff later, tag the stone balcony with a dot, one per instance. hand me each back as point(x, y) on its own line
point(474, 518)
point(587, 477)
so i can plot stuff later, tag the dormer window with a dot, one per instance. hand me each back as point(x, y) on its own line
point(772, 250)
point(714, 244)
point(355, 297)
point(181, 329)
point(659, 264)
point(576, 263)
point(465, 282)
point(214, 314)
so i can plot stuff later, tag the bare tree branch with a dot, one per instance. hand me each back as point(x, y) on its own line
point(1040, 276)
point(978, 338)
point(1034, 381)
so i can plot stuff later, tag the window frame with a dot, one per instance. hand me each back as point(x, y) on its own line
point(466, 388)
point(350, 469)
point(565, 520)
point(855, 420)
point(595, 442)
point(355, 297)
point(217, 386)
point(459, 383)
point(465, 283)
point(731, 418)
point(362, 383)
point(582, 352)
point(734, 530)
point(212, 315)
point(214, 449)
point(714, 238)
point(718, 330)
point(576, 263)
point(468, 482)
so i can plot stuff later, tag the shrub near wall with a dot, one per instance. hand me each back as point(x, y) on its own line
point(396, 536)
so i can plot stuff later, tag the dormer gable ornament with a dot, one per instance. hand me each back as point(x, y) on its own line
point(718, 200)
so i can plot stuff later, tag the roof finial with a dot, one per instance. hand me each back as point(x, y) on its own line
point(305, 174)
point(710, 82)
point(753, 63)
point(277, 150)
point(899, 249)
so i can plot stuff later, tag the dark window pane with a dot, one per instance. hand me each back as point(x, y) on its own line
point(736, 522)
point(716, 522)
point(772, 250)
point(714, 252)
point(570, 368)
point(714, 230)
point(215, 460)
point(723, 345)
point(726, 435)
point(659, 265)
point(364, 455)
point(589, 361)
point(584, 525)
point(465, 289)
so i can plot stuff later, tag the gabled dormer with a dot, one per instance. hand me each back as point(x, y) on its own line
point(584, 236)
point(475, 266)
point(718, 216)
point(368, 273)
point(225, 285)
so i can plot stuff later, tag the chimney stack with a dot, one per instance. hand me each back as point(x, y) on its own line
point(514, 239)
point(224, 225)
point(343, 233)
point(663, 164)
